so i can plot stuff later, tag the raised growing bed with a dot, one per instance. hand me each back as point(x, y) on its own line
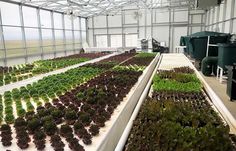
point(176, 116)
point(20, 72)
point(19, 84)
point(27, 98)
point(78, 114)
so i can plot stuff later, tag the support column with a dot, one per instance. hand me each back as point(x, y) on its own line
point(80, 32)
point(169, 41)
point(151, 23)
point(232, 16)
point(87, 32)
point(40, 34)
point(190, 18)
point(224, 16)
point(53, 34)
point(122, 26)
point(107, 31)
point(3, 41)
point(73, 34)
point(64, 34)
point(145, 25)
point(94, 38)
point(23, 33)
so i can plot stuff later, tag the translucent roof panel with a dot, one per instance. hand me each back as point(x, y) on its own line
point(88, 8)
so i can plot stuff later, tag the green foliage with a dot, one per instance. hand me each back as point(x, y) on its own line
point(39, 135)
point(33, 124)
point(38, 67)
point(175, 118)
point(9, 118)
point(145, 55)
point(183, 83)
point(29, 106)
point(167, 128)
point(129, 67)
point(56, 113)
point(50, 128)
point(70, 115)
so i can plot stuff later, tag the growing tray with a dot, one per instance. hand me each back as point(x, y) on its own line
point(18, 84)
point(211, 97)
point(109, 135)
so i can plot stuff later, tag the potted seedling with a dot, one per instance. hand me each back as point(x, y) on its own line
point(70, 116)
point(65, 130)
point(50, 128)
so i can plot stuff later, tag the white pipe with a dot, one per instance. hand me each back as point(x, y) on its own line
point(127, 130)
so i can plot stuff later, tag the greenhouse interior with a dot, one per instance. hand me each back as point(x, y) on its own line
point(118, 75)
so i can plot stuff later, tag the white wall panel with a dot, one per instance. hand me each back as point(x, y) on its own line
point(215, 29)
point(11, 62)
point(149, 32)
point(211, 16)
point(90, 34)
point(142, 33)
point(70, 53)
point(101, 41)
point(161, 16)
point(60, 54)
point(220, 27)
point(207, 17)
point(100, 31)
point(114, 21)
point(33, 58)
point(221, 12)
point(161, 33)
point(142, 18)
point(130, 30)
point(116, 40)
point(228, 9)
point(130, 17)
point(227, 25)
point(180, 16)
point(131, 40)
point(216, 14)
point(48, 56)
point(196, 29)
point(196, 18)
point(115, 31)
point(149, 17)
point(235, 9)
point(234, 26)
point(196, 11)
point(90, 22)
point(177, 33)
point(100, 21)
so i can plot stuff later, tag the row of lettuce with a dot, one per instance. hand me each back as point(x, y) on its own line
point(20, 72)
point(178, 117)
point(73, 105)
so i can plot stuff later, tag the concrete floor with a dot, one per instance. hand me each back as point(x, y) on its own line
point(220, 90)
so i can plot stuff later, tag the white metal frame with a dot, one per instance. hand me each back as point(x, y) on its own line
point(209, 45)
point(88, 8)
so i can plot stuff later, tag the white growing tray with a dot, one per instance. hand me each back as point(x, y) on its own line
point(109, 135)
point(168, 62)
point(18, 84)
